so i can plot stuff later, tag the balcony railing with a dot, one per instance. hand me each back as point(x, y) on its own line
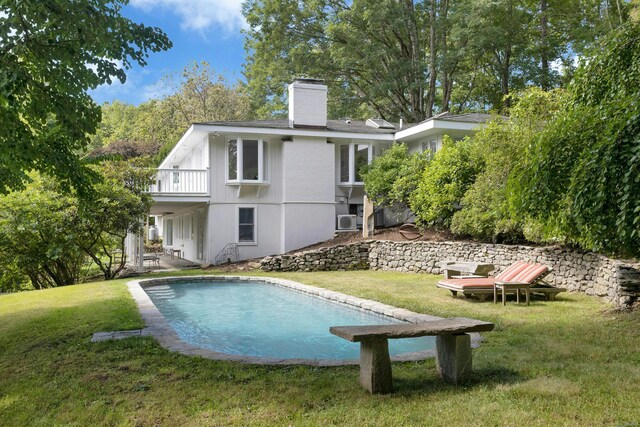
point(181, 181)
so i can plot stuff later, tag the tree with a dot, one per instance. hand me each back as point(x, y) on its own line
point(52, 237)
point(391, 178)
point(51, 53)
point(413, 59)
point(116, 209)
point(485, 212)
point(37, 238)
point(580, 179)
point(444, 182)
point(197, 94)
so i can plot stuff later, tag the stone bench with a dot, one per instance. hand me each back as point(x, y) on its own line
point(453, 348)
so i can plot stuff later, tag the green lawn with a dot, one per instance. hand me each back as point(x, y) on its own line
point(569, 362)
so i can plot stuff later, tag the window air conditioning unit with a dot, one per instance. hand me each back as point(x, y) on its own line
point(347, 222)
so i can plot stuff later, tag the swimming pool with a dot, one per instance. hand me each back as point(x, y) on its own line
point(273, 318)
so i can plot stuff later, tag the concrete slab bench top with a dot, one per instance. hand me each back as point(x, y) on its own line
point(453, 348)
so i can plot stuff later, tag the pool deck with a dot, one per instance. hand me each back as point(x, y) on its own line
point(159, 328)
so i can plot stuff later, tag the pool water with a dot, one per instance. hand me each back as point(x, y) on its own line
point(264, 320)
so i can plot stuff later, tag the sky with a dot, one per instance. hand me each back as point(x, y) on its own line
point(201, 30)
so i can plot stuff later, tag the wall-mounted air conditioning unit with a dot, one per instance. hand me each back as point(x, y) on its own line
point(347, 222)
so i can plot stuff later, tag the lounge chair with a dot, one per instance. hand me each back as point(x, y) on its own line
point(519, 275)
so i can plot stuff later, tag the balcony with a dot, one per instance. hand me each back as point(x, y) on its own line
point(176, 182)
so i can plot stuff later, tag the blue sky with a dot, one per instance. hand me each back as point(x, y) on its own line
point(201, 30)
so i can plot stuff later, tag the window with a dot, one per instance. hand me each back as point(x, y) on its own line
point(430, 145)
point(246, 225)
point(362, 159)
point(168, 232)
point(344, 163)
point(232, 159)
point(352, 158)
point(246, 160)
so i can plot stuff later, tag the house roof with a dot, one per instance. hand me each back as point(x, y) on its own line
point(466, 117)
point(348, 126)
point(377, 129)
point(354, 126)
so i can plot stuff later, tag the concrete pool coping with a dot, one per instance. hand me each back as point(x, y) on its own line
point(159, 328)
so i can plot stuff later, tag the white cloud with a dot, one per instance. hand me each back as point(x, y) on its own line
point(199, 15)
point(94, 67)
point(155, 90)
point(127, 91)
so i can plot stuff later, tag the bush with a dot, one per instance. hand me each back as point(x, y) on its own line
point(444, 182)
point(485, 212)
point(581, 178)
point(391, 178)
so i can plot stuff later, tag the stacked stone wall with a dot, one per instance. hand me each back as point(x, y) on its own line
point(613, 280)
point(335, 258)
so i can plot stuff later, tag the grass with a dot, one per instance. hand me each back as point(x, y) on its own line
point(569, 362)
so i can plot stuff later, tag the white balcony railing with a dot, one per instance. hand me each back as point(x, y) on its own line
point(181, 181)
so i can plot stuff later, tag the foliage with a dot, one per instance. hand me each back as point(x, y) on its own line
point(582, 177)
point(37, 237)
point(125, 149)
point(391, 178)
point(51, 53)
point(445, 181)
point(115, 209)
point(411, 59)
point(502, 144)
point(52, 237)
point(197, 94)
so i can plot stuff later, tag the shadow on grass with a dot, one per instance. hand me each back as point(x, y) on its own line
point(430, 383)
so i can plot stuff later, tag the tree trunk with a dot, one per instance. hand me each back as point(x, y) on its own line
point(545, 80)
point(431, 96)
point(447, 73)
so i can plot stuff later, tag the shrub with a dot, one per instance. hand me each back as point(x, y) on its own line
point(485, 212)
point(444, 182)
point(391, 178)
point(581, 179)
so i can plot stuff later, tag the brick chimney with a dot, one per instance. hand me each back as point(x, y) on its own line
point(308, 103)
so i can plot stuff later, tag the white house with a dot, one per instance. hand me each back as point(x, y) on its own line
point(256, 188)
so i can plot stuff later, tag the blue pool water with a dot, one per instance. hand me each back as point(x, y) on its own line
point(263, 320)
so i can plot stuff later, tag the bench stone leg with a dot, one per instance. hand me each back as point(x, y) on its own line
point(453, 357)
point(375, 366)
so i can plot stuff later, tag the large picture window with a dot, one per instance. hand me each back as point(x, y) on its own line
point(247, 225)
point(246, 160)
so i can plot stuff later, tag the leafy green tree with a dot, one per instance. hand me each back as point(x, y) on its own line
point(117, 208)
point(51, 237)
point(485, 212)
point(581, 177)
point(37, 238)
point(444, 182)
point(197, 94)
point(52, 52)
point(411, 59)
point(391, 178)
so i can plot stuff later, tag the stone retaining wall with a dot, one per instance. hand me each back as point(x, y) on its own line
point(340, 257)
point(613, 280)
